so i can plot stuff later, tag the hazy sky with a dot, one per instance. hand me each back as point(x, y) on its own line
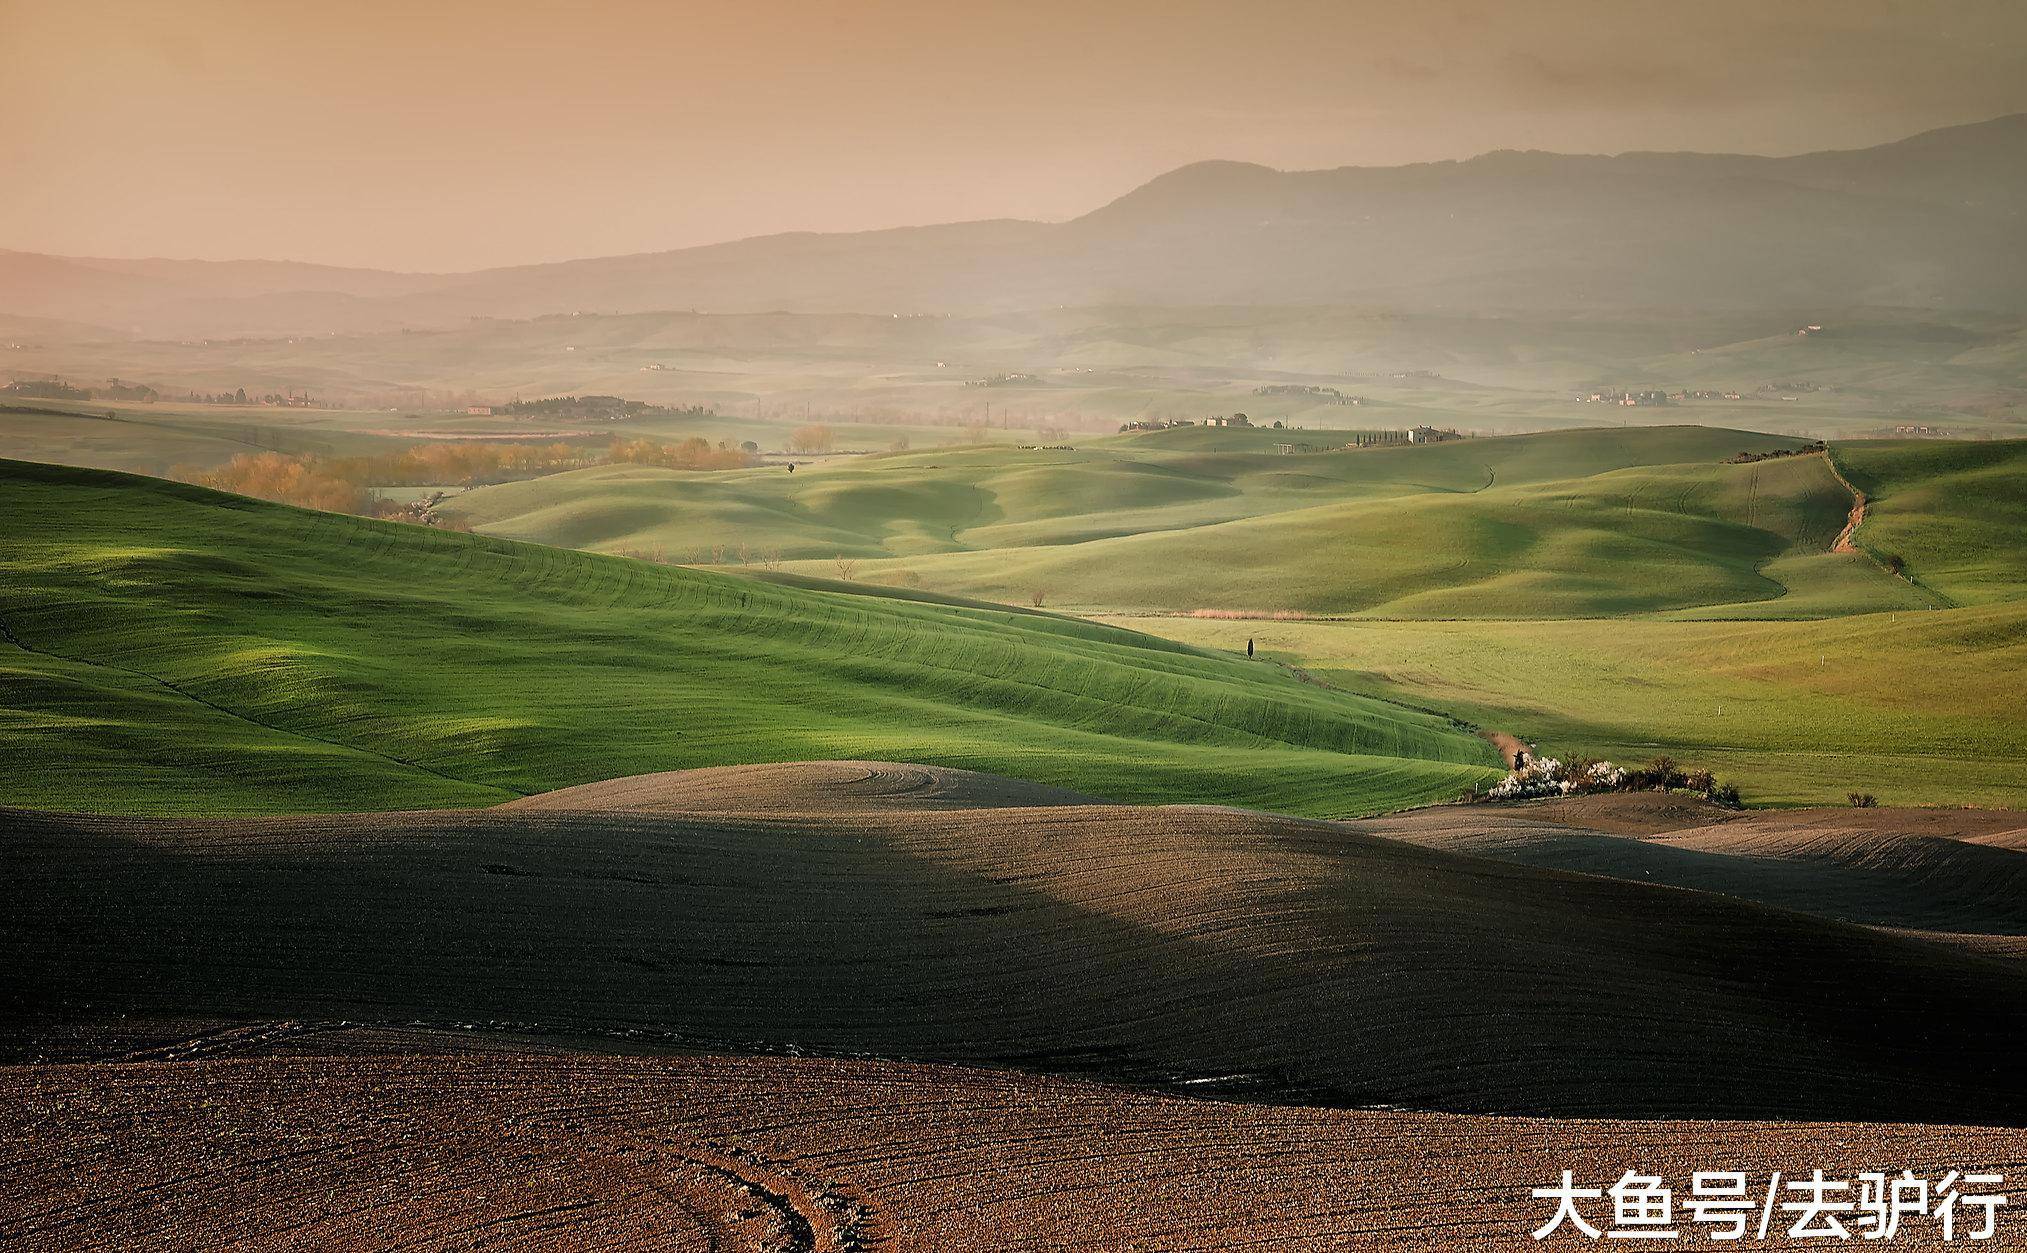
point(450, 135)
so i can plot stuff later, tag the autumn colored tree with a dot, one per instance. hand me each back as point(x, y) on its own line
point(816, 438)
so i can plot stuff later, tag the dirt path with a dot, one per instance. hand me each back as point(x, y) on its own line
point(1510, 746)
point(1843, 542)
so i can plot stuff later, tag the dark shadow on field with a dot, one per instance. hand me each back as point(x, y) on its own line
point(1916, 883)
point(1252, 954)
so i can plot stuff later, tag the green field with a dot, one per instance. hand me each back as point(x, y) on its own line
point(1616, 592)
point(1955, 512)
point(1627, 541)
point(1917, 708)
point(159, 439)
point(1194, 518)
point(177, 650)
point(1558, 524)
point(1630, 591)
point(1871, 684)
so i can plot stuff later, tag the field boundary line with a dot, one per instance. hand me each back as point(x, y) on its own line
point(7, 633)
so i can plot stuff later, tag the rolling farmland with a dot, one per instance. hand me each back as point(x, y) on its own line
point(314, 661)
point(522, 1021)
point(1200, 949)
point(778, 643)
point(699, 1153)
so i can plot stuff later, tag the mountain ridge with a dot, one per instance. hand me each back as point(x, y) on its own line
point(1930, 220)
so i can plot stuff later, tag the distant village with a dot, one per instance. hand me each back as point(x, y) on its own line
point(1327, 395)
point(1359, 439)
point(1165, 424)
point(1611, 396)
point(1781, 389)
point(120, 389)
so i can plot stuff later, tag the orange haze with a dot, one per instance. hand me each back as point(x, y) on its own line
point(451, 135)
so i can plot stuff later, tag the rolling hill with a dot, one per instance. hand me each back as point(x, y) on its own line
point(1955, 874)
point(1200, 518)
point(1207, 949)
point(1195, 519)
point(1917, 707)
point(1627, 590)
point(1953, 512)
point(1508, 230)
point(172, 649)
point(1621, 542)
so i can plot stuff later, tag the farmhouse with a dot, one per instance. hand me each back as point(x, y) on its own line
point(479, 411)
point(1430, 435)
point(1237, 419)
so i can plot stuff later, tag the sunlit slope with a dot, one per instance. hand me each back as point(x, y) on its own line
point(1954, 512)
point(1917, 708)
point(171, 649)
point(1819, 584)
point(1626, 541)
point(973, 499)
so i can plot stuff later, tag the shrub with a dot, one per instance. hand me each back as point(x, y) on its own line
point(1541, 776)
point(1662, 772)
point(1547, 776)
point(1861, 800)
point(1603, 776)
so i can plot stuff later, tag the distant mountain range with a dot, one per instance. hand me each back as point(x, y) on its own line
point(1932, 221)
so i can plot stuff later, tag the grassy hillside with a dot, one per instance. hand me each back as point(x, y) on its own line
point(1956, 513)
point(179, 650)
point(1563, 522)
point(1621, 542)
point(152, 439)
point(1556, 524)
point(1916, 708)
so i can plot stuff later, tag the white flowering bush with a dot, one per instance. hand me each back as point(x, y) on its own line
point(1542, 776)
point(1605, 777)
point(1549, 776)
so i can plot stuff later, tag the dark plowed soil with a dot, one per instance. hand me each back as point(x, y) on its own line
point(806, 787)
point(794, 1156)
point(1208, 950)
point(1959, 874)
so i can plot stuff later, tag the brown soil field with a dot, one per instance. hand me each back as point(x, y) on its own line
point(1956, 874)
point(815, 788)
point(421, 1148)
point(1206, 951)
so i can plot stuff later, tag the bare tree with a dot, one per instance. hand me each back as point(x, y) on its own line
point(1038, 597)
point(846, 565)
point(771, 558)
